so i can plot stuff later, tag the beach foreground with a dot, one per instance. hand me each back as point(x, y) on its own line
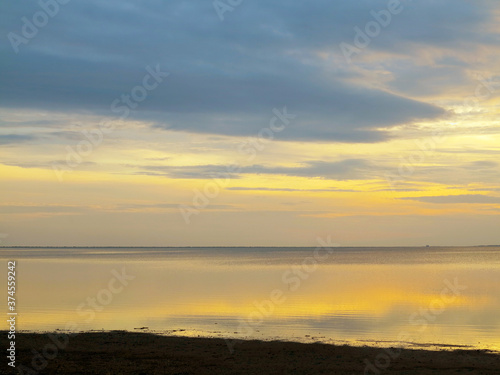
point(120, 352)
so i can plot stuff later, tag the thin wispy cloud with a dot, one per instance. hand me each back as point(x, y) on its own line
point(339, 170)
point(458, 199)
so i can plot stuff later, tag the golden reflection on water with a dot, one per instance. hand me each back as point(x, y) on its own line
point(336, 302)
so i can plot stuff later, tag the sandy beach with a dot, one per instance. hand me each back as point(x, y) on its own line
point(120, 352)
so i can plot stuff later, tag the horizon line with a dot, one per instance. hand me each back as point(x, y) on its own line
point(228, 246)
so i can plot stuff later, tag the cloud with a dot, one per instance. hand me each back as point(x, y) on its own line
point(15, 138)
point(29, 124)
point(457, 199)
point(485, 189)
point(190, 171)
point(236, 188)
point(45, 209)
point(469, 151)
point(226, 77)
point(427, 80)
point(482, 164)
point(339, 170)
point(77, 210)
point(159, 206)
point(43, 165)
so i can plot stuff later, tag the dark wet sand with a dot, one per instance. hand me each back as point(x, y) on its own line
point(120, 352)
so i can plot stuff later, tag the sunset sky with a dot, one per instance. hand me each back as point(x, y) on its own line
point(126, 123)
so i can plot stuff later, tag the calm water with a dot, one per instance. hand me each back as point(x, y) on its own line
point(407, 296)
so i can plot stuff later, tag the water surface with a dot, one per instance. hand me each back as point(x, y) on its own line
point(385, 296)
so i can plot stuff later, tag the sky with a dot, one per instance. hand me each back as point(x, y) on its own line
point(249, 123)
